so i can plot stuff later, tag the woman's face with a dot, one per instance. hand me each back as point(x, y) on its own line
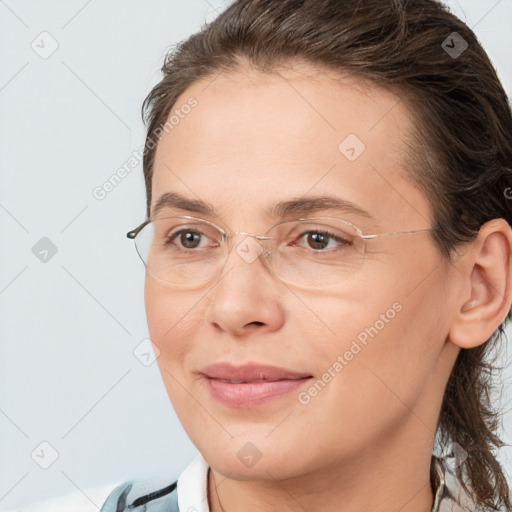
point(374, 345)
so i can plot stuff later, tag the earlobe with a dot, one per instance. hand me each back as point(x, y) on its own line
point(486, 271)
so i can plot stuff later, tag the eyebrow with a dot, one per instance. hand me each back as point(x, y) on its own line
point(280, 209)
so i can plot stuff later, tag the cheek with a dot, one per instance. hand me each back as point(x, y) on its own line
point(172, 322)
point(381, 354)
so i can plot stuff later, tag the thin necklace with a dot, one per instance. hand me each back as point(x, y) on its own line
point(217, 492)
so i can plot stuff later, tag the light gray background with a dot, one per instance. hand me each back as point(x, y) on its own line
point(69, 325)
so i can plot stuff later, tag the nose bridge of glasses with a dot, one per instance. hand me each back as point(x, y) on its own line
point(253, 246)
point(259, 237)
point(248, 249)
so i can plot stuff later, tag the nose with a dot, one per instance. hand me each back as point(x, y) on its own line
point(247, 294)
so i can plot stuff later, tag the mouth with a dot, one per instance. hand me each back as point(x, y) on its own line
point(251, 384)
point(250, 372)
point(248, 381)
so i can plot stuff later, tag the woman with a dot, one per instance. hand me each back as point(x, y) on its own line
point(328, 259)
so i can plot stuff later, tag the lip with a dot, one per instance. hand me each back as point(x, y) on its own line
point(250, 372)
point(251, 384)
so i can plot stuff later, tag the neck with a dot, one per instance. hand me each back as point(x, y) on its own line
point(381, 482)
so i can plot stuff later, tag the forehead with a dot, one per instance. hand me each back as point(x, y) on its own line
point(255, 138)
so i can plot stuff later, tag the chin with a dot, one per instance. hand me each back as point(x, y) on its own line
point(243, 460)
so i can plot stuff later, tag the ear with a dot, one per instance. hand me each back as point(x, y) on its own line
point(485, 275)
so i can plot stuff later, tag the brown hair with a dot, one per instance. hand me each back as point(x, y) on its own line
point(460, 151)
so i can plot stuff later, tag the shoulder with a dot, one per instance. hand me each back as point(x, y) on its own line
point(142, 495)
point(86, 500)
point(110, 498)
point(188, 492)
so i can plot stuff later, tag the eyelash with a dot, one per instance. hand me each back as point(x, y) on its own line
point(327, 234)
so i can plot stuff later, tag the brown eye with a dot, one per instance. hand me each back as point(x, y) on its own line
point(186, 239)
point(319, 240)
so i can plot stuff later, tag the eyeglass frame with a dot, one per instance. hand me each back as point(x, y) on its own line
point(134, 232)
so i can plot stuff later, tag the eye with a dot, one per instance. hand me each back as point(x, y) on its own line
point(321, 239)
point(189, 239)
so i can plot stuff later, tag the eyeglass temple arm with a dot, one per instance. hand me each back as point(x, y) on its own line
point(133, 233)
point(366, 237)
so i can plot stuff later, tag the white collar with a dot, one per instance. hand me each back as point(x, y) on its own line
point(192, 485)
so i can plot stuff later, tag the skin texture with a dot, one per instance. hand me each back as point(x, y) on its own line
point(365, 441)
